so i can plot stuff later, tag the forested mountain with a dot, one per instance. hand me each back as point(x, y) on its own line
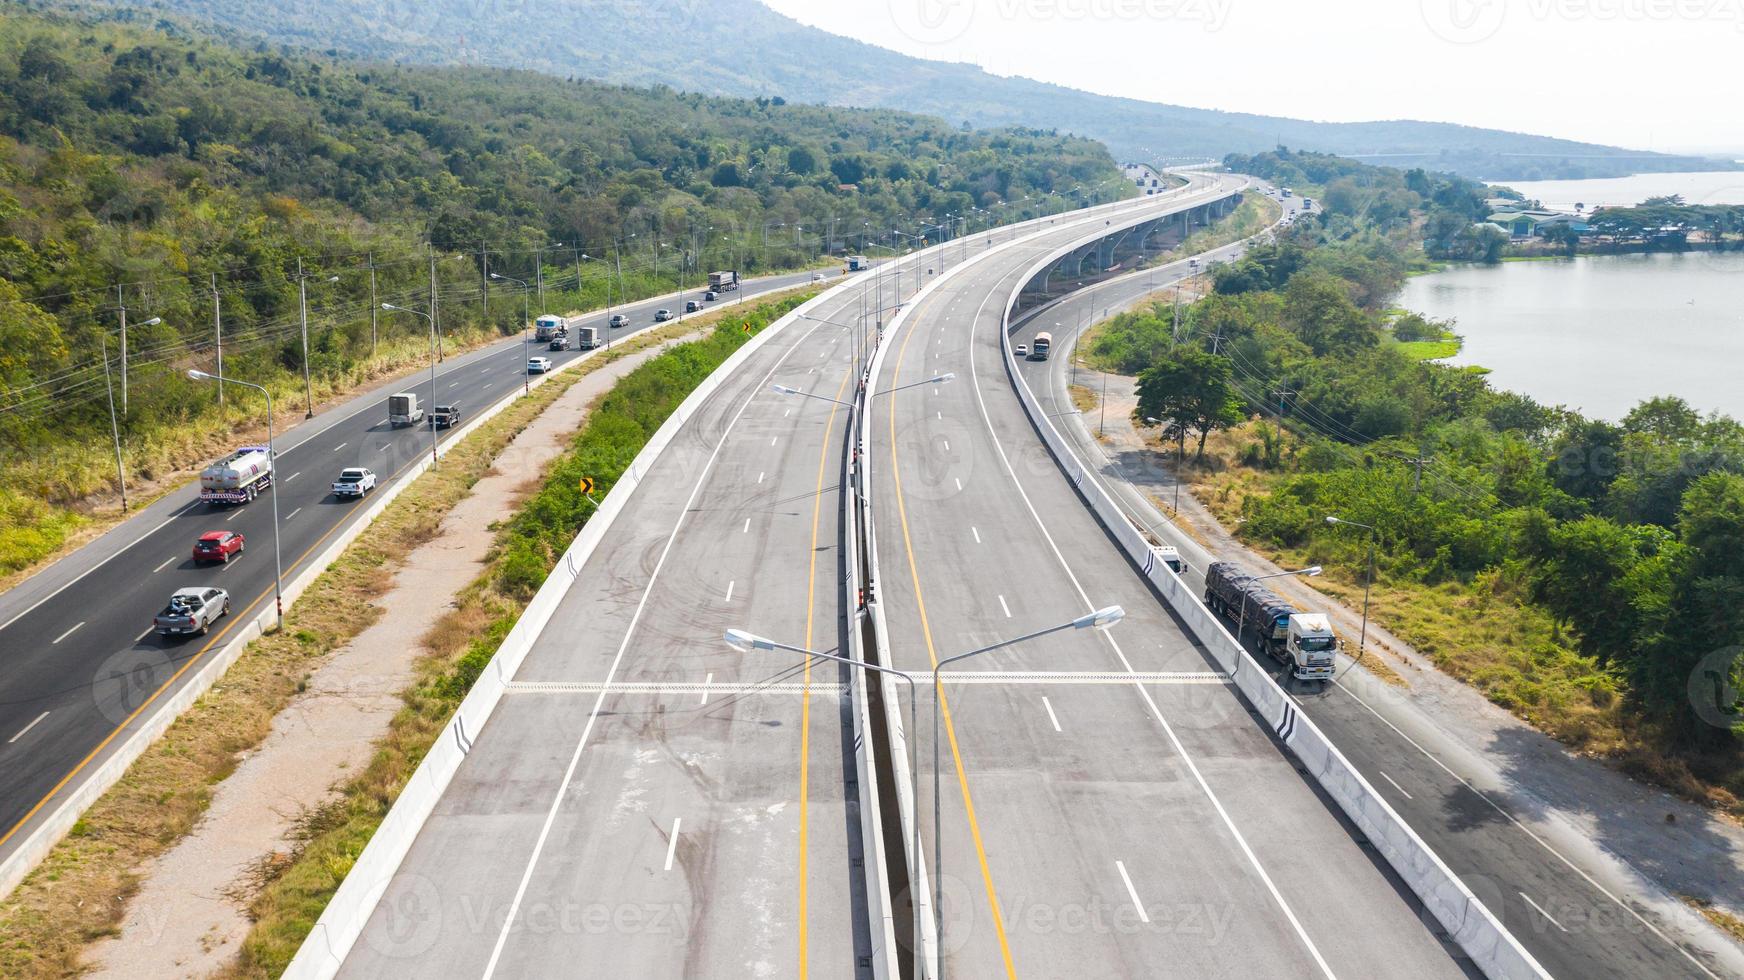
point(740, 47)
point(199, 178)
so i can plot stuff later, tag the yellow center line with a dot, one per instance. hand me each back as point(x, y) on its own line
point(805, 699)
point(944, 702)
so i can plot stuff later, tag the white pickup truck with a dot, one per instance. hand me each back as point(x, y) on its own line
point(191, 611)
point(354, 481)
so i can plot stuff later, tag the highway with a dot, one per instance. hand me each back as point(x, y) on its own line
point(82, 664)
point(1574, 905)
point(646, 800)
point(1133, 817)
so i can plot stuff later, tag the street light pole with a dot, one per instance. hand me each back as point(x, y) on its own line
point(1368, 581)
point(746, 642)
point(303, 311)
point(526, 316)
point(1100, 619)
point(272, 454)
point(435, 459)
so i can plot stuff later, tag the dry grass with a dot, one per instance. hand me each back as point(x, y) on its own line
point(1084, 399)
point(79, 892)
point(1728, 923)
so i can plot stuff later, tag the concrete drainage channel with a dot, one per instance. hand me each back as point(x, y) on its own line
point(1468, 923)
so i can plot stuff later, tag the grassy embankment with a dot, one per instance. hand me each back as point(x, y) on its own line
point(79, 892)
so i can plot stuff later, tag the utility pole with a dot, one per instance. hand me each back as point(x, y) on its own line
point(1416, 462)
point(218, 336)
point(539, 275)
point(303, 310)
point(435, 347)
point(121, 305)
point(374, 308)
point(483, 283)
point(114, 428)
point(1282, 393)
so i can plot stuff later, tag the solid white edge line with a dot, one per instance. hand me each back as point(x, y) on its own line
point(1541, 842)
point(617, 659)
point(1156, 712)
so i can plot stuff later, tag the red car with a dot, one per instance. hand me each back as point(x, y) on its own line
point(218, 546)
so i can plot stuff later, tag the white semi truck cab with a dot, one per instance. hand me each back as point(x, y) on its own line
point(1309, 648)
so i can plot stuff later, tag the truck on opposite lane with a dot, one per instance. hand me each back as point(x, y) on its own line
point(550, 326)
point(1304, 642)
point(237, 478)
point(721, 282)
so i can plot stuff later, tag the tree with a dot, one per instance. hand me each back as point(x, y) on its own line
point(1319, 310)
point(1191, 388)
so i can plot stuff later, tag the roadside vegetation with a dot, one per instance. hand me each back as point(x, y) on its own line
point(463, 640)
point(190, 181)
point(1585, 575)
point(79, 892)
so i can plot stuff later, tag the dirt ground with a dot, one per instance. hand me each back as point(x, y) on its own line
point(187, 917)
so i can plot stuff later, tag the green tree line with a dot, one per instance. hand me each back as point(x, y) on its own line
point(1629, 535)
point(190, 180)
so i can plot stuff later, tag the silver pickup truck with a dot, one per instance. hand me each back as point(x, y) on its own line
point(192, 611)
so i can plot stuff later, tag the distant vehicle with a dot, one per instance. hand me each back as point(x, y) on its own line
point(692, 306)
point(1302, 641)
point(586, 338)
point(538, 365)
point(403, 409)
point(559, 343)
point(618, 320)
point(354, 481)
point(1044, 342)
point(857, 263)
point(1286, 192)
point(817, 277)
point(238, 477)
point(710, 296)
point(217, 546)
point(1021, 350)
point(1307, 204)
point(1170, 556)
point(445, 416)
point(661, 316)
point(725, 281)
point(548, 326)
point(191, 611)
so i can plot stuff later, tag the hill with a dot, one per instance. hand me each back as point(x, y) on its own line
point(183, 178)
point(742, 48)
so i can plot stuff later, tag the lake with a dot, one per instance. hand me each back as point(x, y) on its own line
point(1719, 187)
point(1600, 333)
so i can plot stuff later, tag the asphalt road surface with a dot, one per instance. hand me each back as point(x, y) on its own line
point(1131, 819)
point(81, 662)
point(646, 800)
point(1568, 902)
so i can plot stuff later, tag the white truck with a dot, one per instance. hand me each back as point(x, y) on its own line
point(721, 282)
point(857, 263)
point(403, 409)
point(550, 326)
point(1309, 647)
point(1304, 642)
point(238, 477)
point(586, 338)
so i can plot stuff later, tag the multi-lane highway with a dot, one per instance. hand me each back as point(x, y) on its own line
point(1130, 818)
point(1574, 906)
point(647, 800)
point(82, 665)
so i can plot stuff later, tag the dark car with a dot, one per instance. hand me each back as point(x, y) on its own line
point(445, 416)
point(218, 546)
point(691, 306)
point(559, 342)
point(709, 297)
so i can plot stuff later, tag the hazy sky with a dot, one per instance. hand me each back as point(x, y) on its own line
point(1648, 74)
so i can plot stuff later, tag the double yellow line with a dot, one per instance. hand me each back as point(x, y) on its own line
point(944, 702)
